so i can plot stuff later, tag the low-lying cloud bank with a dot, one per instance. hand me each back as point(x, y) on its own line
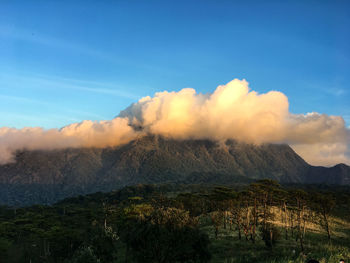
point(232, 111)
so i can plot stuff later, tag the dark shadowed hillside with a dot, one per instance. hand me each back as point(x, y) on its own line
point(47, 176)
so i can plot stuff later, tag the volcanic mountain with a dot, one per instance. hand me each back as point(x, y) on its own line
point(48, 176)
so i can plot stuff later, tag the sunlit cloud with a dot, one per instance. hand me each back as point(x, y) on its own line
point(232, 111)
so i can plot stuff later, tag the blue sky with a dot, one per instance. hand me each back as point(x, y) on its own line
point(67, 61)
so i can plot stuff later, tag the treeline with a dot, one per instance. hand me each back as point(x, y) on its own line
point(148, 223)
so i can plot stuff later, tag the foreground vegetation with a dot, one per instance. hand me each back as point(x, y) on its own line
point(262, 222)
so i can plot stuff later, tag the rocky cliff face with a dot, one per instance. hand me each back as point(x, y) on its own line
point(47, 176)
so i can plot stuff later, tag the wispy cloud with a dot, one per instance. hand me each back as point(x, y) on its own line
point(336, 91)
point(22, 99)
point(34, 37)
point(94, 87)
point(49, 119)
point(334, 88)
point(38, 38)
point(71, 84)
point(25, 100)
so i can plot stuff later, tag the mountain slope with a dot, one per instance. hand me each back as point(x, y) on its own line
point(46, 176)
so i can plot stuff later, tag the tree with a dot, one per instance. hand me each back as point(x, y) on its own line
point(271, 235)
point(301, 198)
point(167, 235)
point(4, 247)
point(221, 201)
point(85, 254)
point(102, 242)
point(264, 192)
point(324, 204)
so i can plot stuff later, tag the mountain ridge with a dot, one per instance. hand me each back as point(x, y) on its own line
point(155, 159)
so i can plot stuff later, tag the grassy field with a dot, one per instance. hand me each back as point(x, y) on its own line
point(228, 248)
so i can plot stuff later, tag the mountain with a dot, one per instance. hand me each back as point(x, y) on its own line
point(48, 176)
point(338, 175)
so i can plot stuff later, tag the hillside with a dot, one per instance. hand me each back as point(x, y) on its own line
point(47, 176)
